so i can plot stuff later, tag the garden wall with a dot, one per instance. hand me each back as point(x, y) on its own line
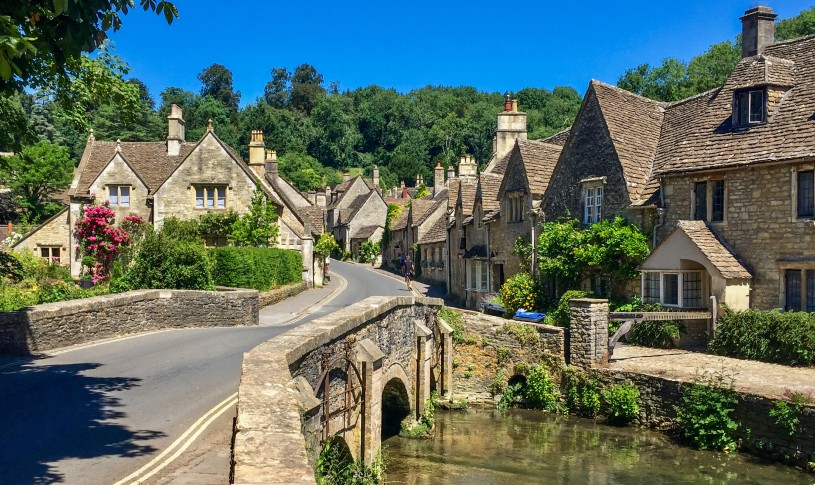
point(54, 325)
point(270, 297)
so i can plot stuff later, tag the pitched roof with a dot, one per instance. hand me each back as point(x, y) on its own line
point(422, 208)
point(718, 255)
point(365, 232)
point(488, 191)
point(558, 138)
point(401, 220)
point(699, 135)
point(539, 161)
point(634, 124)
point(148, 159)
point(500, 166)
point(436, 233)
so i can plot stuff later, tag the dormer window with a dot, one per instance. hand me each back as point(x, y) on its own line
point(749, 107)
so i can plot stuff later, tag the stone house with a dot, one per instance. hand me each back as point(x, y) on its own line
point(176, 178)
point(412, 223)
point(356, 211)
point(735, 167)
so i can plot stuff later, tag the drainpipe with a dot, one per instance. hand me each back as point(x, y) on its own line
point(489, 261)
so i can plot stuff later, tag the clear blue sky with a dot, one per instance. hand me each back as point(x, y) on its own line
point(493, 46)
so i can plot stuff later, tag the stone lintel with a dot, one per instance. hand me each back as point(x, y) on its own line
point(421, 329)
point(367, 351)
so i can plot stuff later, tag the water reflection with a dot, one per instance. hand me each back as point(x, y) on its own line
point(520, 447)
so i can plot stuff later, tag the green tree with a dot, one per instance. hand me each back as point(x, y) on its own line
point(276, 93)
point(35, 175)
point(216, 82)
point(798, 26)
point(258, 227)
point(306, 88)
point(303, 171)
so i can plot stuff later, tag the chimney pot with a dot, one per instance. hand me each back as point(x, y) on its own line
point(507, 104)
point(515, 105)
point(757, 30)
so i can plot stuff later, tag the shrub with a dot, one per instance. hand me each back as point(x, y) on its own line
point(167, 262)
point(540, 390)
point(582, 393)
point(621, 403)
point(705, 415)
point(561, 315)
point(456, 322)
point(258, 268)
point(520, 291)
point(13, 298)
point(787, 413)
point(658, 334)
point(771, 336)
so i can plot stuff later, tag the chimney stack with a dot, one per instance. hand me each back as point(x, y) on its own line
point(467, 167)
point(271, 163)
point(438, 179)
point(511, 127)
point(757, 30)
point(346, 177)
point(175, 130)
point(376, 178)
point(312, 197)
point(321, 197)
point(256, 147)
point(451, 173)
point(419, 180)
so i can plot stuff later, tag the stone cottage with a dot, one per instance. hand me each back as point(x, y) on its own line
point(356, 211)
point(158, 180)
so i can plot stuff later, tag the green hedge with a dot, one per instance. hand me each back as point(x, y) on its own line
point(258, 268)
point(772, 336)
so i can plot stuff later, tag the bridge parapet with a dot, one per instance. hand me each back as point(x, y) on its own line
point(325, 379)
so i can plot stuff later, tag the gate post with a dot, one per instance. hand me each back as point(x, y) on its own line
point(370, 356)
point(588, 332)
point(423, 350)
point(446, 358)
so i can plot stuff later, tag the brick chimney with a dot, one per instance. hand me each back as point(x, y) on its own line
point(271, 163)
point(757, 30)
point(511, 127)
point(257, 150)
point(175, 130)
point(467, 167)
point(376, 177)
point(438, 179)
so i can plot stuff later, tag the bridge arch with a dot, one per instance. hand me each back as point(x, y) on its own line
point(395, 406)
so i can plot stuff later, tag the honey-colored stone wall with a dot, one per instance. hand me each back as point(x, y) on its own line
point(55, 232)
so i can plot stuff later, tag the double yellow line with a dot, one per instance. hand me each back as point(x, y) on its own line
point(180, 445)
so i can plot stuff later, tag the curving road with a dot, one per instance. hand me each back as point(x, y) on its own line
point(94, 415)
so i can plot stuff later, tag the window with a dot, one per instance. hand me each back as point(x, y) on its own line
point(119, 195)
point(210, 197)
point(50, 254)
point(749, 107)
point(515, 207)
point(477, 274)
point(592, 204)
point(708, 200)
point(805, 194)
point(685, 289)
point(799, 290)
point(700, 201)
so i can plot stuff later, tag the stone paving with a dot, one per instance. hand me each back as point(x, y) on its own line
point(770, 380)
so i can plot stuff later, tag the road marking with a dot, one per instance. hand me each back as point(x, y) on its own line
point(312, 309)
point(183, 442)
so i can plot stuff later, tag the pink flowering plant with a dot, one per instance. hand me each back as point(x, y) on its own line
point(100, 240)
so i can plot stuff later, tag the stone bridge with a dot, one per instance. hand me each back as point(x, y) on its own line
point(348, 378)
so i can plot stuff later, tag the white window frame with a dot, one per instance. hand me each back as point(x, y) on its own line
point(680, 301)
point(592, 203)
point(210, 197)
point(51, 259)
point(116, 198)
point(477, 276)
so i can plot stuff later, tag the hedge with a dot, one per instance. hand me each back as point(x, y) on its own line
point(258, 268)
point(771, 336)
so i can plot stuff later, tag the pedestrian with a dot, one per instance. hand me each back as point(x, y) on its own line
point(327, 263)
point(409, 272)
point(402, 263)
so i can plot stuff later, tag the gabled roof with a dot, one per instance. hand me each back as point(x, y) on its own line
point(401, 220)
point(487, 192)
point(62, 212)
point(148, 159)
point(698, 132)
point(421, 208)
point(436, 233)
point(466, 195)
point(558, 138)
point(539, 160)
point(365, 232)
point(634, 125)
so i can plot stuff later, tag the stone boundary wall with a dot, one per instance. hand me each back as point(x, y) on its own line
point(270, 297)
point(494, 345)
point(269, 444)
point(659, 395)
point(61, 324)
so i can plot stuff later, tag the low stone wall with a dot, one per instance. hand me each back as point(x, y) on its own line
point(493, 347)
point(758, 431)
point(270, 297)
point(269, 442)
point(54, 325)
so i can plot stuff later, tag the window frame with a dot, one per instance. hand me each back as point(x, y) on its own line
point(117, 189)
point(707, 199)
point(477, 277)
point(51, 259)
point(805, 298)
point(681, 290)
point(743, 115)
point(211, 196)
point(797, 196)
point(593, 202)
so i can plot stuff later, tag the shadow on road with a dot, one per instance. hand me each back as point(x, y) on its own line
point(51, 413)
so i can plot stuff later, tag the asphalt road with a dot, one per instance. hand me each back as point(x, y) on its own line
point(94, 415)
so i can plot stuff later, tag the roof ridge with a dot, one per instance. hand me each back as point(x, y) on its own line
point(660, 104)
point(691, 98)
point(790, 41)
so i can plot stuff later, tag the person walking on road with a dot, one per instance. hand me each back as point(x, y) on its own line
point(408, 268)
point(402, 263)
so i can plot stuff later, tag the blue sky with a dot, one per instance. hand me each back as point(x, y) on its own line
point(493, 46)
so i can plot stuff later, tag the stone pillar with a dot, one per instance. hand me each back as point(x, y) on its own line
point(369, 357)
point(588, 332)
point(446, 358)
point(423, 351)
point(308, 260)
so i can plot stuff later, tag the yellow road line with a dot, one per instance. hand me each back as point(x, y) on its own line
point(195, 430)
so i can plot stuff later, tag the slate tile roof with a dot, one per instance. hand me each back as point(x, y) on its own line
point(699, 134)
point(558, 138)
point(468, 187)
point(365, 232)
point(634, 124)
point(401, 220)
point(436, 233)
point(422, 208)
point(148, 159)
point(539, 161)
point(488, 191)
point(719, 255)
